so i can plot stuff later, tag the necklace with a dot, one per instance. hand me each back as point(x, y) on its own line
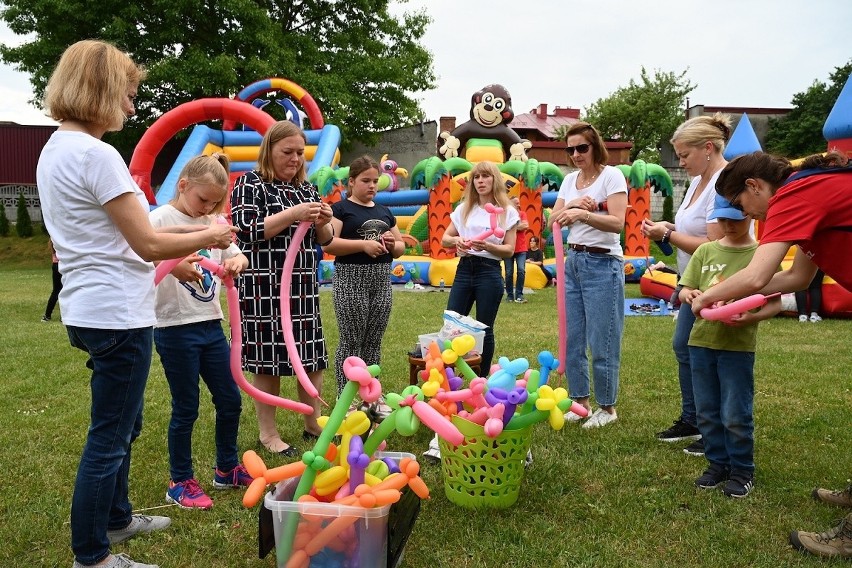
point(588, 182)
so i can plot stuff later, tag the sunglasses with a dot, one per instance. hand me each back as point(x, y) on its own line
point(579, 148)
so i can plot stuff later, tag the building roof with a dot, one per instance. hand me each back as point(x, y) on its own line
point(546, 124)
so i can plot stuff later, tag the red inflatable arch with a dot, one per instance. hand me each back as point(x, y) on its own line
point(179, 118)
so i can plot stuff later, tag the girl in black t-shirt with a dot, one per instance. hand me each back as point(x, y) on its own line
point(536, 256)
point(365, 243)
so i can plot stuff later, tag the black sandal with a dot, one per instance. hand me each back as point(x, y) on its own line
point(288, 452)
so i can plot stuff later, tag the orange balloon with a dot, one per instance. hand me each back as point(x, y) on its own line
point(298, 559)
point(330, 532)
point(254, 464)
point(254, 492)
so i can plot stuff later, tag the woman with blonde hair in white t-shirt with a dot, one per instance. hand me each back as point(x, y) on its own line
point(698, 144)
point(479, 279)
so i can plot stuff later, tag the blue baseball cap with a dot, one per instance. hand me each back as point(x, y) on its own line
point(722, 209)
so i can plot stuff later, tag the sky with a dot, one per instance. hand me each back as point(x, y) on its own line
point(571, 53)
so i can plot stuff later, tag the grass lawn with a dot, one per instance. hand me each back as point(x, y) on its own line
point(612, 497)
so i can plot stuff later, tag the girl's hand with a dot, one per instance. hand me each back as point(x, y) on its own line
point(234, 266)
point(374, 248)
point(186, 270)
point(388, 240)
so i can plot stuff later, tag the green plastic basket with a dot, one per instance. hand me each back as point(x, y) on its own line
point(483, 471)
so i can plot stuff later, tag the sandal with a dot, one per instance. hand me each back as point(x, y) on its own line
point(288, 452)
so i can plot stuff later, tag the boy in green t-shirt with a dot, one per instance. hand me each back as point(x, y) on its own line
point(722, 357)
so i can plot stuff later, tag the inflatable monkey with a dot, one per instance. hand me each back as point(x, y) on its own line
point(490, 115)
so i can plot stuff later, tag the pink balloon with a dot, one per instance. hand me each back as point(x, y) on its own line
point(286, 316)
point(560, 297)
point(495, 229)
point(437, 423)
point(727, 311)
point(237, 346)
point(579, 409)
point(164, 268)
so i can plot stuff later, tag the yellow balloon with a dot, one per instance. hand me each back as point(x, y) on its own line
point(463, 343)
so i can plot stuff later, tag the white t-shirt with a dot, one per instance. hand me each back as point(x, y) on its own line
point(105, 285)
point(180, 303)
point(609, 182)
point(478, 222)
point(692, 219)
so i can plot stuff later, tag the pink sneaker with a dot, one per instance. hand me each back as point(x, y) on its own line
point(188, 495)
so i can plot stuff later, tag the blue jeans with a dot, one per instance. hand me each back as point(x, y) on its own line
point(478, 280)
point(186, 352)
point(120, 360)
point(680, 345)
point(519, 259)
point(724, 398)
point(594, 303)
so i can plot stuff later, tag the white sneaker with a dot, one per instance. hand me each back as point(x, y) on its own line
point(433, 454)
point(803, 318)
point(600, 418)
point(119, 561)
point(571, 416)
point(815, 317)
point(138, 524)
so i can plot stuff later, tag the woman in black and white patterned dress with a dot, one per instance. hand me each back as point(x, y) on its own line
point(267, 206)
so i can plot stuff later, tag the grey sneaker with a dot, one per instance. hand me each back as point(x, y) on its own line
point(119, 561)
point(138, 524)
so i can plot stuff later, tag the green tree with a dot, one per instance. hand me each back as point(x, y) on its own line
point(799, 133)
point(24, 225)
point(357, 60)
point(644, 112)
point(4, 222)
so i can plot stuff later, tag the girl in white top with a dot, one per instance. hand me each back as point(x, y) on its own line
point(479, 277)
point(190, 340)
point(698, 143)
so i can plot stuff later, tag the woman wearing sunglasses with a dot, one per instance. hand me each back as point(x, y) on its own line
point(594, 271)
point(698, 144)
point(811, 207)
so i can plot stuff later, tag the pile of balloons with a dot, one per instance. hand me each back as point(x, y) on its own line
point(513, 397)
